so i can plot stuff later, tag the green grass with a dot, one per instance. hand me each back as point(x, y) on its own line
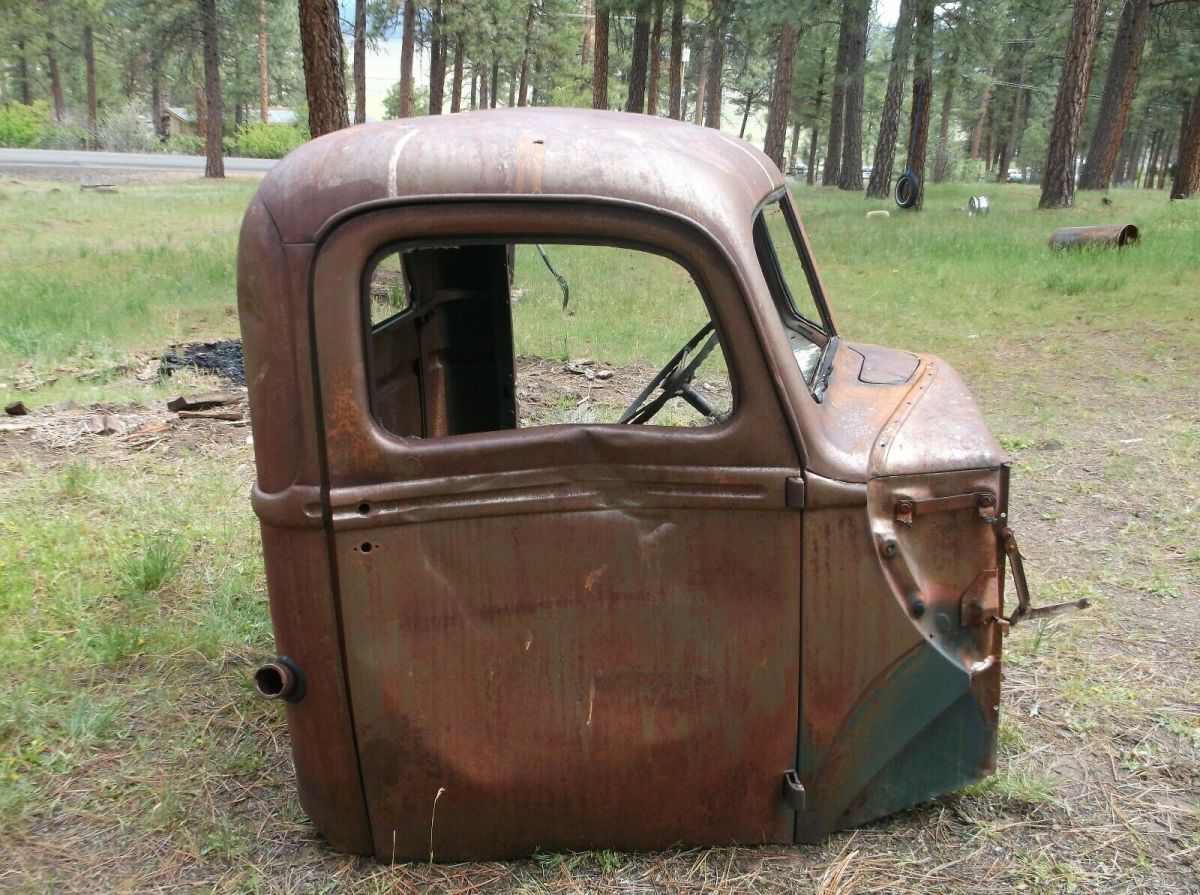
point(132, 593)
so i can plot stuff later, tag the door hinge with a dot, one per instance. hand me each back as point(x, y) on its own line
point(795, 492)
point(793, 791)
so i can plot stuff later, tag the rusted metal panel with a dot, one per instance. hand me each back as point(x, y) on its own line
point(611, 636)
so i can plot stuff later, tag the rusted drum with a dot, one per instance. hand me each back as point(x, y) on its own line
point(977, 205)
point(1117, 235)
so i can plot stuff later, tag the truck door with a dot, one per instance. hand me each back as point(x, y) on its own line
point(570, 632)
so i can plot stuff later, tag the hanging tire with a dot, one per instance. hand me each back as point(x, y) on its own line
point(908, 187)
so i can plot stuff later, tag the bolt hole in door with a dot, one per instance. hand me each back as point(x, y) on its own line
point(364, 509)
point(366, 547)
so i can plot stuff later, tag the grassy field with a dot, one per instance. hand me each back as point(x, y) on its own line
point(134, 758)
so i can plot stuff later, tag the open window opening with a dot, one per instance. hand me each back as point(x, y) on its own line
point(482, 337)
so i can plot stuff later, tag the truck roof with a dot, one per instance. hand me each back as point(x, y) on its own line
point(711, 178)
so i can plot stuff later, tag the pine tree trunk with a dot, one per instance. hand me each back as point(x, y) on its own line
point(811, 175)
point(408, 44)
point(635, 101)
point(1014, 127)
point(1135, 153)
point(841, 66)
point(360, 61)
point(201, 113)
point(716, 67)
point(880, 184)
point(600, 60)
point(156, 104)
point(781, 95)
point(655, 86)
point(1156, 149)
point(264, 85)
point(1119, 86)
point(23, 73)
point(1187, 169)
point(494, 87)
point(512, 88)
point(457, 84)
point(589, 34)
point(918, 128)
point(1058, 179)
point(984, 102)
point(439, 46)
point(675, 77)
point(850, 177)
point(941, 159)
point(324, 80)
point(89, 64)
point(52, 64)
point(215, 162)
point(701, 82)
point(523, 90)
point(795, 149)
point(1165, 168)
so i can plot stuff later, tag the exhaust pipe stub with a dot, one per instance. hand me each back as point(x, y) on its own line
point(280, 679)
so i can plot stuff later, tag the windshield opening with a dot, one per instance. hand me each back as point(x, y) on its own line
point(791, 280)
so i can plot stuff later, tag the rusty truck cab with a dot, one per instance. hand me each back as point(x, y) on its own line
point(749, 612)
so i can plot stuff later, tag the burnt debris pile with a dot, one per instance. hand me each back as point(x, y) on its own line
point(222, 358)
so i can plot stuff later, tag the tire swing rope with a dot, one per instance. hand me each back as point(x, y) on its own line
point(908, 187)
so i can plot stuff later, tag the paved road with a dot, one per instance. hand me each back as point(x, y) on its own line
point(126, 161)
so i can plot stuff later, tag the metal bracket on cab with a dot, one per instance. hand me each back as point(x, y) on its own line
point(793, 791)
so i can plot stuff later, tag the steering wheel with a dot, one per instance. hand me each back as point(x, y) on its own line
point(675, 381)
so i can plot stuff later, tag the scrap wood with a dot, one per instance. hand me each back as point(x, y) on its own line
point(205, 400)
point(230, 415)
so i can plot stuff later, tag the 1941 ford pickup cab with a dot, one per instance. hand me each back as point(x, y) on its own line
point(754, 597)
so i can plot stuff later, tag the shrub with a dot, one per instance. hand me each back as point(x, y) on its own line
point(184, 144)
point(258, 140)
point(123, 130)
point(24, 126)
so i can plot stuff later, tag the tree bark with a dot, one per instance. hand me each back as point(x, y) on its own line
point(215, 162)
point(457, 84)
point(701, 82)
point(56, 91)
point(635, 101)
point(1156, 151)
point(600, 59)
point(23, 73)
point(1014, 128)
point(264, 86)
point(837, 107)
point(716, 66)
point(880, 184)
point(918, 128)
point(589, 34)
point(811, 174)
point(1058, 179)
point(984, 102)
point(408, 45)
point(156, 104)
point(89, 64)
point(941, 159)
point(439, 47)
point(655, 86)
point(324, 80)
point(523, 90)
point(360, 60)
point(1119, 86)
point(781, 95)
point(1187, 168)
point(850, 177)
point(494, 87)
point(675, 77)
point(1135, 154)
point(1165, 167)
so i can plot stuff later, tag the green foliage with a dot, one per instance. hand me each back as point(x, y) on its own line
point(258, 140)
point(391, 102)
point(24, 126)
point(183, 144)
